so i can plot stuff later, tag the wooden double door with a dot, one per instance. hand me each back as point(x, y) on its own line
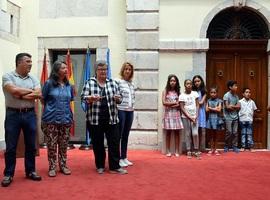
point(245, 62)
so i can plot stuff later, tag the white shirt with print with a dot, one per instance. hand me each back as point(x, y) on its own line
point(189, 103)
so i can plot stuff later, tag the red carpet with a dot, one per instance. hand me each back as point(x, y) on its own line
point(243, 176)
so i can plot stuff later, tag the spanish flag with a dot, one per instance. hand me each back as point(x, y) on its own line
point(44, 73)
point(71, 81)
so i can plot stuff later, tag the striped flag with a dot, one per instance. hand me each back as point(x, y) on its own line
point(109, 72)
point(86, 76)
point(43, 78)
point(71, 81)
point(44, 72)
point(39, 106)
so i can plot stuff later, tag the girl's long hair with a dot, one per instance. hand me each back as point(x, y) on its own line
point(177, 85)
point(201, 88)
point(54, 75)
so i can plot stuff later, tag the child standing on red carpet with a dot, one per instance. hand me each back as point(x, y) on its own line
point(199, 86)
point(213, 109)
point(171, 121)
point(189, 106)
point(231, 108)
point(246, 112)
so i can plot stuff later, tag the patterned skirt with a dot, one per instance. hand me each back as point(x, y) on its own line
point(172, 119)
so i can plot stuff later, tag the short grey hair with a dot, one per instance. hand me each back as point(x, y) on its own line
point(99, 63)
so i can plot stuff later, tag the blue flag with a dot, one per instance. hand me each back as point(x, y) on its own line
point(109, 73)
point(86, 76)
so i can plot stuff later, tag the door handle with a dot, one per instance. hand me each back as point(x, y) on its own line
point(257, 119)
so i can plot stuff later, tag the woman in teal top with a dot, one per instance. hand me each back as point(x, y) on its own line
point(57, 117)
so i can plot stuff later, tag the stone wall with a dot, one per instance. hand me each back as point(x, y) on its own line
point(142, 28)
point(9, 22)
point(72, 8)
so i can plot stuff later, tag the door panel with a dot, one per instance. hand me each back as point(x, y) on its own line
point(253, 74)
point(249, 69)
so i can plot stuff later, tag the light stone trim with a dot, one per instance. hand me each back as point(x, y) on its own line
point(142, 51)
point(143, 40)
point(256, 7)
point(142, 21)
point(68, 42)
point(143, 140)
point(72, 42)
point(193, 44)
point(142, 5)
point(13, 9)
point(146, 80)
point(101, 54)
point(145, 120)
point(268, 46)
point(2, 145)
point(146, 100)
point(3, 5)
point(143, 59)
point(72, 8)
point(239, 3)
point(199, 65)
point(4, 21)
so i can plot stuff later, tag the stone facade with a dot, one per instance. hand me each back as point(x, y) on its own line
point(72, 8)
point(9, 23)
point(143, 59)
point(142, 50)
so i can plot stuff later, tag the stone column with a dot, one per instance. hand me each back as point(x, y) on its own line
point(142, 51)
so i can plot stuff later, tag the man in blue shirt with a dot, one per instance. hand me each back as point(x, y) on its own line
point(20, 90)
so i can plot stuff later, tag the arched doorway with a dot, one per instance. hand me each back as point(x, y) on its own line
point(237, 51)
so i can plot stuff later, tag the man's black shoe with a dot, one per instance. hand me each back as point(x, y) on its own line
point(6, 181)
point(33, 176)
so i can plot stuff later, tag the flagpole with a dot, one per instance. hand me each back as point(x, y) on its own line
point(70, 76)
point(87, 73)
point(43, 78)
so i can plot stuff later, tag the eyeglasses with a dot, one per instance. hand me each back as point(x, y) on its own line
point(102, 69)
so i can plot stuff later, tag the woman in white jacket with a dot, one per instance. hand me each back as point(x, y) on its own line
point(126, 110)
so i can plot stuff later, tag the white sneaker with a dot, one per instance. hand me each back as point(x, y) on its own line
point(126, 161)
point(122, 163)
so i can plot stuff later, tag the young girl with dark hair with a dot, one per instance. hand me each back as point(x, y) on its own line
point(171, 121)
point(198, 85)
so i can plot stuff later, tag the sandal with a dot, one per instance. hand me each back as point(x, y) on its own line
point(217, 153)
point(168, 154)
point(210, 153)
point(197, 155)
point(242, 149)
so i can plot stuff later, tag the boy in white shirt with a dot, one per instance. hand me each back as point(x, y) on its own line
point(246, 112)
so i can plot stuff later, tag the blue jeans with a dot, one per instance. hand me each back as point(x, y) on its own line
point(14, 123)
point(231, 135)
point(246, 134)
point(126, 119)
